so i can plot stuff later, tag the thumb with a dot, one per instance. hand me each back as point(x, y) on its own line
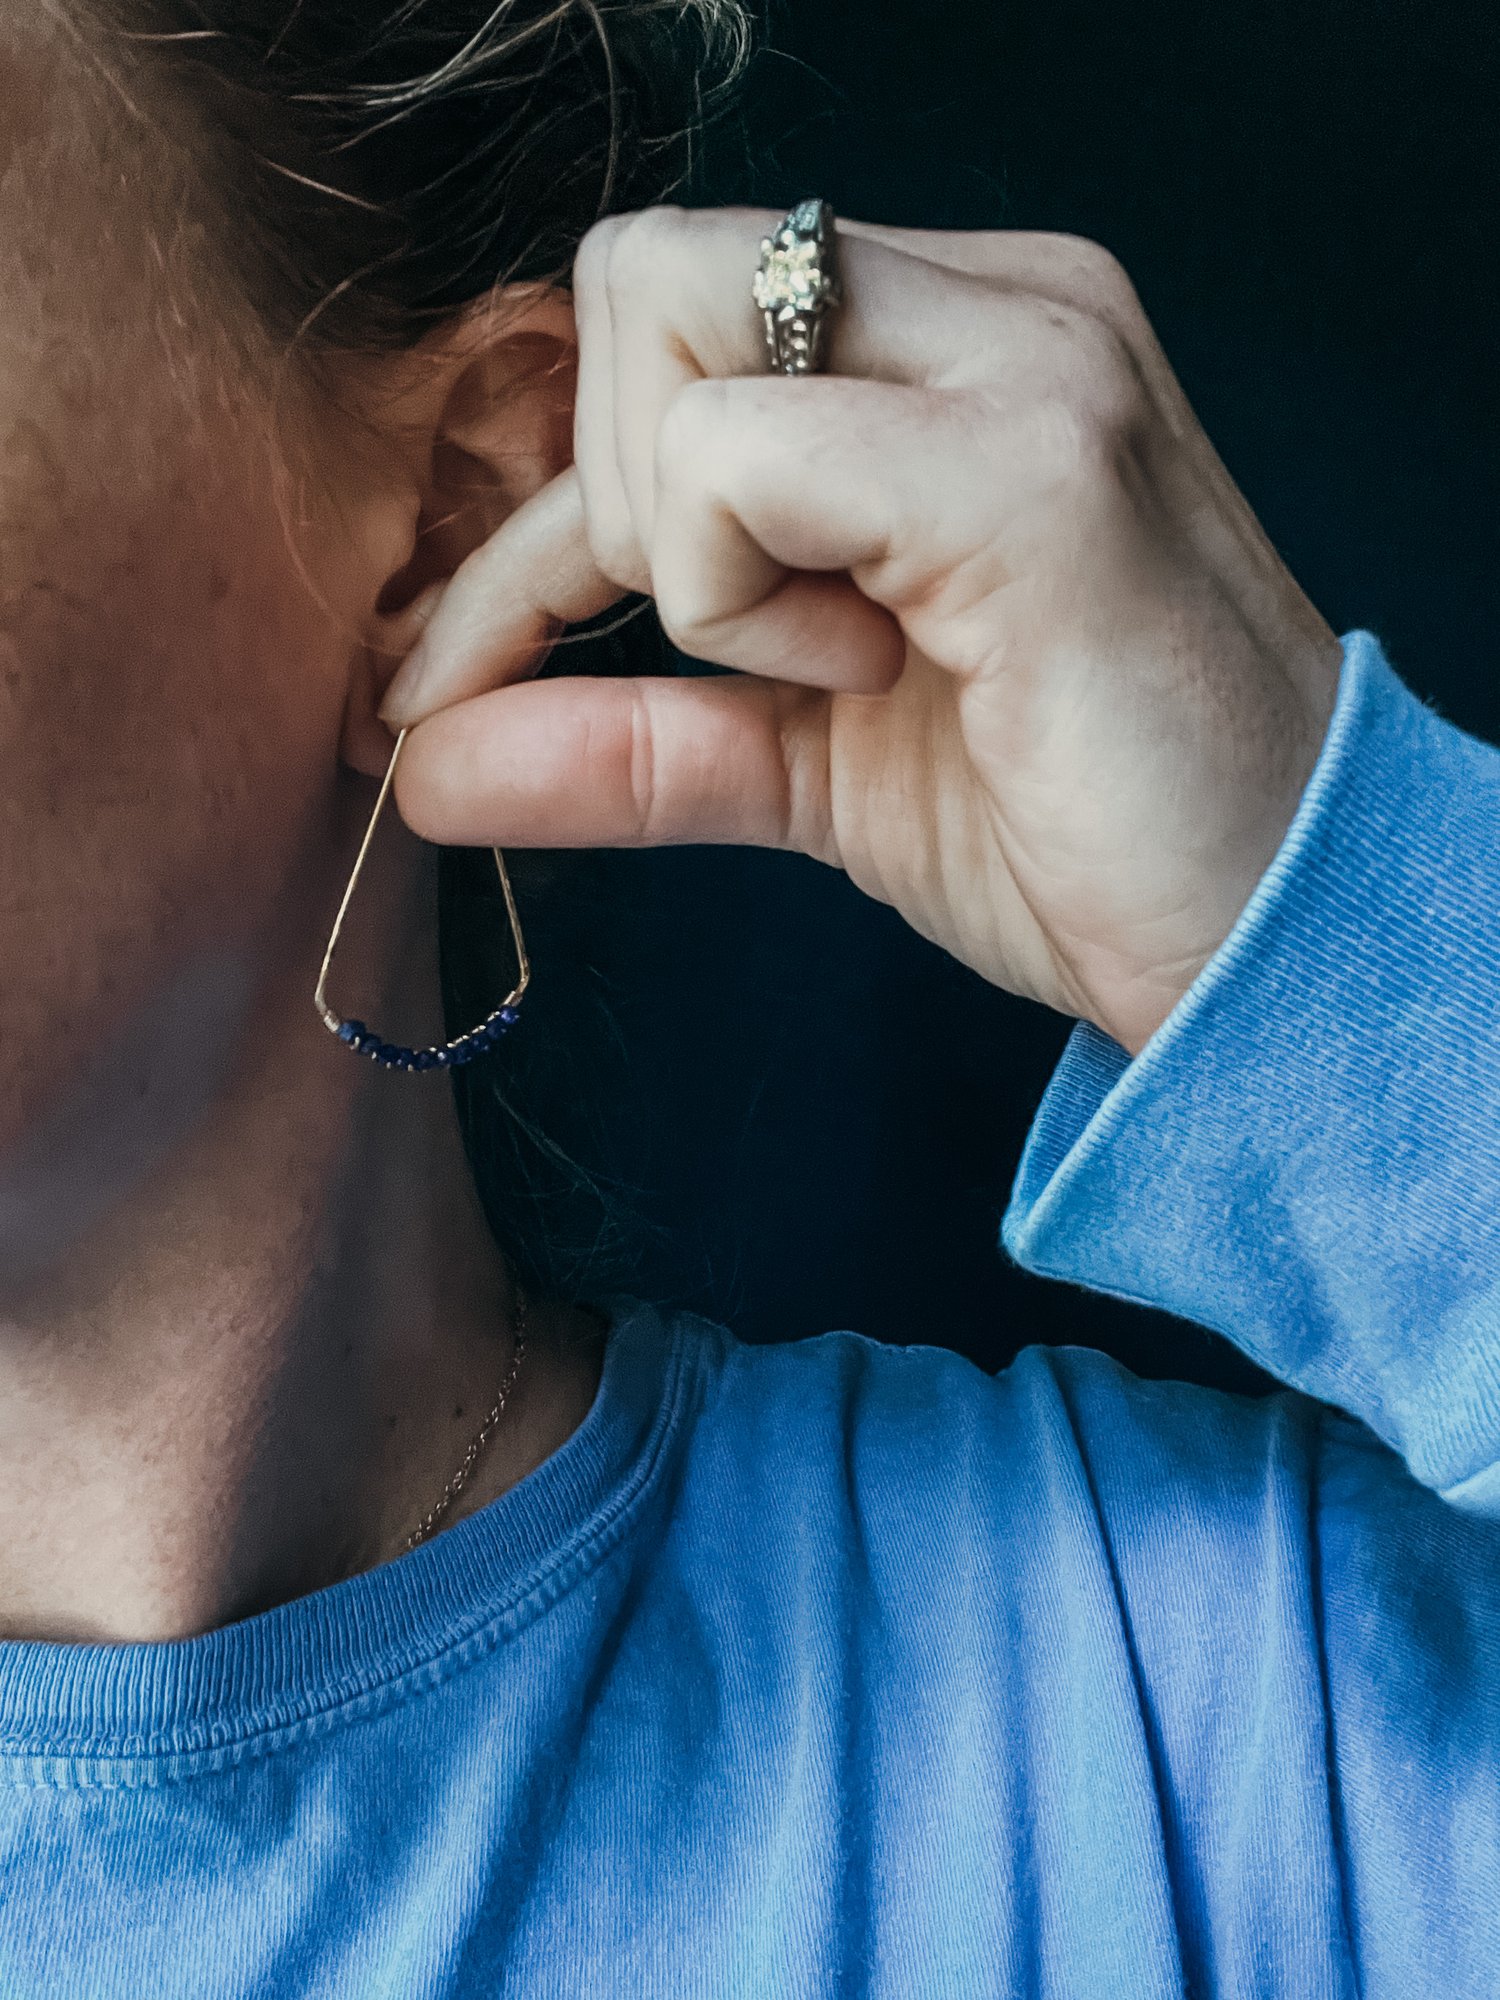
point(624, 763)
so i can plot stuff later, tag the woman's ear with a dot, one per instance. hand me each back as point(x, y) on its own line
point(481, 417)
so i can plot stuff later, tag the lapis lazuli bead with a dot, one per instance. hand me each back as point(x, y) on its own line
point(394, 1055)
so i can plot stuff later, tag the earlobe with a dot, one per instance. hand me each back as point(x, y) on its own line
point(484, 418)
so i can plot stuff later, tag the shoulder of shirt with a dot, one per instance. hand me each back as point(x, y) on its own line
point(910, 1463)
point(890, 1412)
point(884, 1408)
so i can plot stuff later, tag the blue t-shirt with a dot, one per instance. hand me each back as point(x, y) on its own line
point(840, 1669)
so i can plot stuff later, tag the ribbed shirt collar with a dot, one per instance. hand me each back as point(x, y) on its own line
point(491, 1572)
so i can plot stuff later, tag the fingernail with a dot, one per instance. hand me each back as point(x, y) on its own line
point(403, 698)
point(401, 694)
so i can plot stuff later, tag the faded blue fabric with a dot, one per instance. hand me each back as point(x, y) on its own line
point(840, 1669)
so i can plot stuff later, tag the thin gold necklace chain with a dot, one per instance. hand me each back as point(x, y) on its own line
point(430, 1521)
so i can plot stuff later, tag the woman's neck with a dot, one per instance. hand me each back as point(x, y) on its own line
point(256, 1373)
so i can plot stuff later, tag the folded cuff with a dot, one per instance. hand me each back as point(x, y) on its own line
point(1306, 1155)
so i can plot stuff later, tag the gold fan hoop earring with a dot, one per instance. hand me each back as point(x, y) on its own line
point(440, 1055)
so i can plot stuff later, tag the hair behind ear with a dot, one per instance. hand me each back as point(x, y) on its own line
point(372, 168)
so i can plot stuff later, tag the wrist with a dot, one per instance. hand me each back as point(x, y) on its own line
point(1131, 1010)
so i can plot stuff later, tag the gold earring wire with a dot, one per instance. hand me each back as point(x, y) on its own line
point(441, 1055)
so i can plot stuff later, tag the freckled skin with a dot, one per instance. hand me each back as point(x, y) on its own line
point(170, 695)
point(189, 565)
point(244, 1280)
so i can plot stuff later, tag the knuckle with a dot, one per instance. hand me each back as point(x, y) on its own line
point(691, 621)
point(592, 257)
point(677, 623)
point(1103, 371)
point(685, 444)
point(684, 613)
point(640, 247)
point(691, 472)
point(1065, 442)
point(614, 546)
point(1097, 400)
point(1101, 281)
point(1088, 428)
point(621, 561)
point(686, 618)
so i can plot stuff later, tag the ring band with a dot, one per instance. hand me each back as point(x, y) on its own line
point(796, 285)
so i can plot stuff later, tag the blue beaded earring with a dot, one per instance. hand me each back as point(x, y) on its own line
point(444, 1055)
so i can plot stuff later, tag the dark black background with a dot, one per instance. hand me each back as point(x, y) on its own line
point(817, 1114)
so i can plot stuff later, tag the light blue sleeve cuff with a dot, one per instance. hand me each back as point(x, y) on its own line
point(1306, 1155)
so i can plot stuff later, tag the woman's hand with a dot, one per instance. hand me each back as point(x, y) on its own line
point(1015, 653)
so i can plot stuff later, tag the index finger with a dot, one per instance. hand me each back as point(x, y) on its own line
point(505, 606)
